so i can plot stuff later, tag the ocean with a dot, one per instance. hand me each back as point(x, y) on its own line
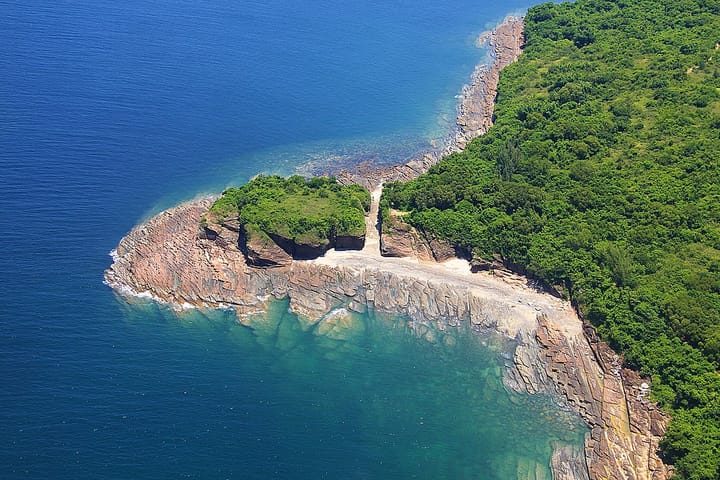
point(113, 111)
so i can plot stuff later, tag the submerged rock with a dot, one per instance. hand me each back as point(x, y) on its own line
point(340, 325)
point(170, 259)
point(474, 114)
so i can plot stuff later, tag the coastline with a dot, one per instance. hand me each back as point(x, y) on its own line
point(165, 259)
point(553, 353)
point(474, 115)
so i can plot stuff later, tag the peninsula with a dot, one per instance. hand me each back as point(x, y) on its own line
point(578, 210)
point(198, 255)
point(170, 259)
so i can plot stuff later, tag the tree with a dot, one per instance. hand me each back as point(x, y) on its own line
point(508, 159)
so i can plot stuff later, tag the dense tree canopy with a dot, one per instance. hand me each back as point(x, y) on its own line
point(602, 175)
point(308, 212)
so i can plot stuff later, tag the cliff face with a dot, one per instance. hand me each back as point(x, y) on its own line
point(168, 258)
point(270, 250)
point(625, 427)
point(400, 239)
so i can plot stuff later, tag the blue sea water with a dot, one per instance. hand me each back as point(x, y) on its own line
point(111, 111)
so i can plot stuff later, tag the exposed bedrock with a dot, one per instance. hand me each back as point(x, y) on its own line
point(173, 259)
point(271, 250)
point(263, 252)
point(474, 113)
point(400, 239)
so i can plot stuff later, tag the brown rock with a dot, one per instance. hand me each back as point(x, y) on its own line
point(623, 441)
point(441, 249)
point(261, 251)
point(167, 258)
point(400, 239)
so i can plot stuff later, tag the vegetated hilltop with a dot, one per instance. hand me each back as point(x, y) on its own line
point(601, 176)
point(283, 218)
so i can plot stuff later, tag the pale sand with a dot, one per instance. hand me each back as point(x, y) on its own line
point(372, 236)
point(513, 290)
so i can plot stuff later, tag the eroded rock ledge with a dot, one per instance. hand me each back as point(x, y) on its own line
point(166, 258)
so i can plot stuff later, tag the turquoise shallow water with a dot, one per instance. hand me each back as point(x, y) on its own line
point(365, 398)
point(112, 111)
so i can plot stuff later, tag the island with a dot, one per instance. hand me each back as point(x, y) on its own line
point(573, 211)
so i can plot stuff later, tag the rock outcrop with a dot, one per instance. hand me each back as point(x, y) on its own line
point(625, 428)
point(171, 258)
point(400, 239)
point(262, 249)
point(475, 113)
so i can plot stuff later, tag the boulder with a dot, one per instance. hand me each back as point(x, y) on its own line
point(400, 239)
point(260, 250)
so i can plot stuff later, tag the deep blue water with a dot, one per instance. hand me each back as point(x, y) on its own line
point(111, 111)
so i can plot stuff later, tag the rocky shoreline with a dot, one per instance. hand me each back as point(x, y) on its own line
point(474, 112)
point(169, 258)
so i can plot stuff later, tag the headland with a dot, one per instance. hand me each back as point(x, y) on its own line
point(172, 259)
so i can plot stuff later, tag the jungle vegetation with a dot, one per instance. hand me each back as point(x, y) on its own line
point(601, 176)
point(309, 212)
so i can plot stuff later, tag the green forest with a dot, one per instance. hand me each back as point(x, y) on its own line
point(311, 212)
point(601, 176)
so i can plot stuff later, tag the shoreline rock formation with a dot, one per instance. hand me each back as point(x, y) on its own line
point(474, 114)
point(167, 259)
point(170, 259)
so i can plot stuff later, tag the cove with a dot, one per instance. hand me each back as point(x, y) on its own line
point(367, 398)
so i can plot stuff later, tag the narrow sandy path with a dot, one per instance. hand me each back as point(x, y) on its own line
point(457, 273)
point(372, 233)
